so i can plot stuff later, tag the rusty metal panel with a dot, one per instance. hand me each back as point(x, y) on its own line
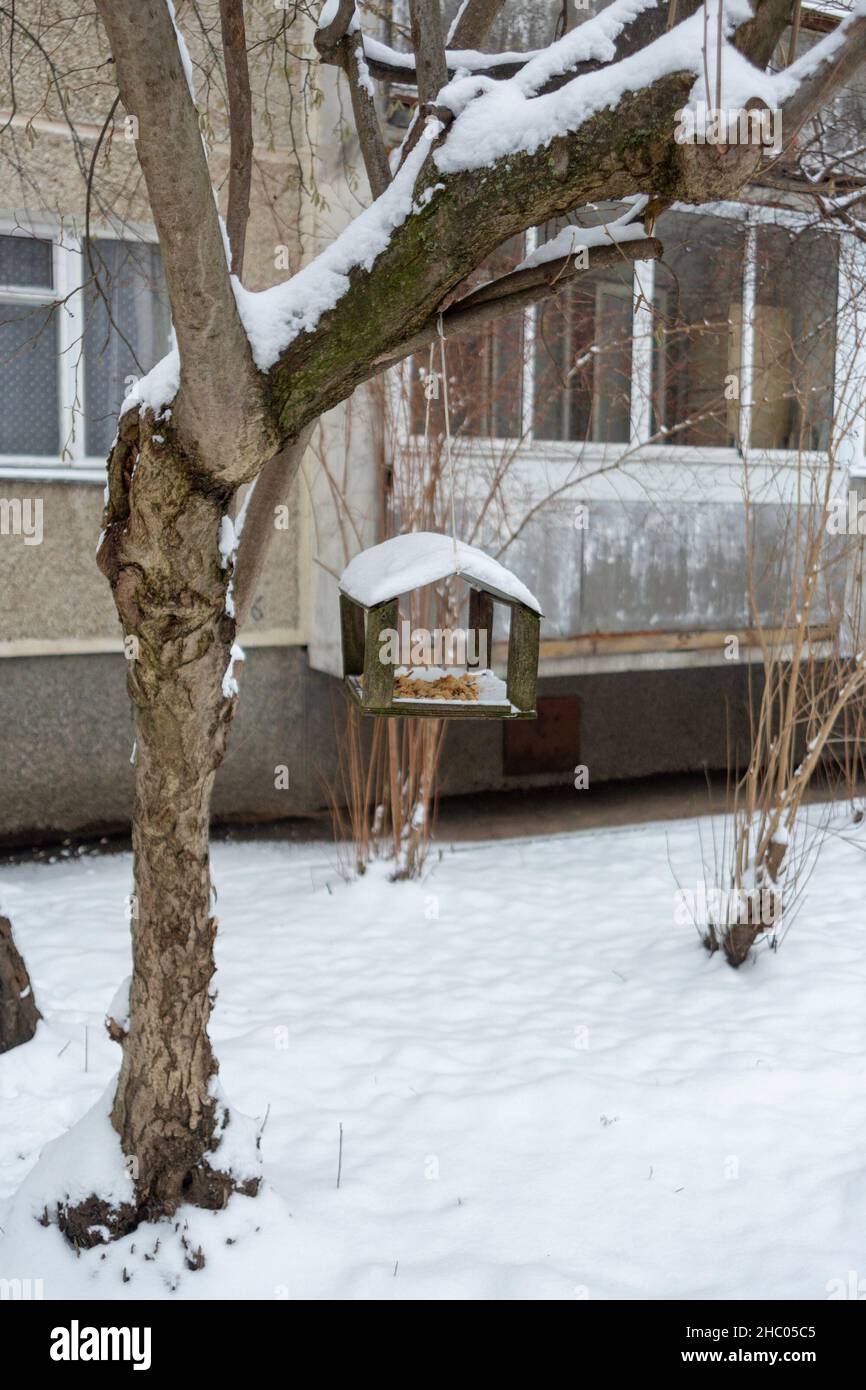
point(550, 743)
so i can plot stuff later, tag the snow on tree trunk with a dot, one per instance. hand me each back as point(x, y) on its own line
point(18, 1012)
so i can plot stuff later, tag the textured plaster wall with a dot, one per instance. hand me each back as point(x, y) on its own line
point(54, 592)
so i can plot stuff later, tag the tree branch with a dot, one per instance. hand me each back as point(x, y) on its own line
point(366, 118)
point(240, 127)
point(474, 23)
point(756, 39)
point(617, 151)
point(341, 43)
point(327, 40)
point(271, 489)
point(521, 288)
point(428, 44)
point(454, 226)
point(220, 392)
point(388, 66)
point(836, 69)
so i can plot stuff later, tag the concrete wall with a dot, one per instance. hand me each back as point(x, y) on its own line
point(633, 724)
point(66, 741)
point(66, 738)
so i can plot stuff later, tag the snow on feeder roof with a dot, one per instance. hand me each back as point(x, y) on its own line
point(423, 557)
point(383, 682)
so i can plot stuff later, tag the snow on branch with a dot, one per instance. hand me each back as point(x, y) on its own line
point(812, 78)
point(532, 282)
point(494, 120)
point(336, 19)
point(498, 119)
point(571, 240)
point(593, 41)
point(273, 318)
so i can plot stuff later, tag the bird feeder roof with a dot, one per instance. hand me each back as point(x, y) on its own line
point(423, 557)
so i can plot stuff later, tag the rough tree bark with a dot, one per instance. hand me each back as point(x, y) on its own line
point(170, 584)
point(173, 480)
point(18, 1012)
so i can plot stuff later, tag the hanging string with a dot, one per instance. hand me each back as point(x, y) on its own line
point(431, 392)
point(448, 453)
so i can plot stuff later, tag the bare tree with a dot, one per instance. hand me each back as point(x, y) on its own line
point(474, 171)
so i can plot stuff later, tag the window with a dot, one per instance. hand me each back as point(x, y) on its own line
point(126, 330)
point(740, 311)
point(582, 374)
point(794, 339)
point(29, 418)
point(71, 338)
point(485, 370)
point(697, 312)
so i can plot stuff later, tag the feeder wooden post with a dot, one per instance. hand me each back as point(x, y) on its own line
point(379, 674)
point(523, 641)
point(352, 630)
point(481, 623)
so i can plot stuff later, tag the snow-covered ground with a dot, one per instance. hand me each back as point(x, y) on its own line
point(546, 1088)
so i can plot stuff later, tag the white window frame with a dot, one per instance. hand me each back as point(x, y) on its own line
point(544, 463)
point(73, 464)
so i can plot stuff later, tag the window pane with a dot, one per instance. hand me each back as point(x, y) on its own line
point(485, 370)
point(583, 358)
point(795, 339)
point(128, 343)
point(698, 294)
point(28, 380)
point(25, 262)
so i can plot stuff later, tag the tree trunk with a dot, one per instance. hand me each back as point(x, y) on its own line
point(171, 586)
point(18, 1012)
point(164, 1111)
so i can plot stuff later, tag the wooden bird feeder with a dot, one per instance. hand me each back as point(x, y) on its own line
point(370, 591)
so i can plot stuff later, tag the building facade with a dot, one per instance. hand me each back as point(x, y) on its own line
point(638, 450)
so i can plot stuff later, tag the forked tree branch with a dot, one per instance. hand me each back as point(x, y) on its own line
point(240, 127)
point(329, 38)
